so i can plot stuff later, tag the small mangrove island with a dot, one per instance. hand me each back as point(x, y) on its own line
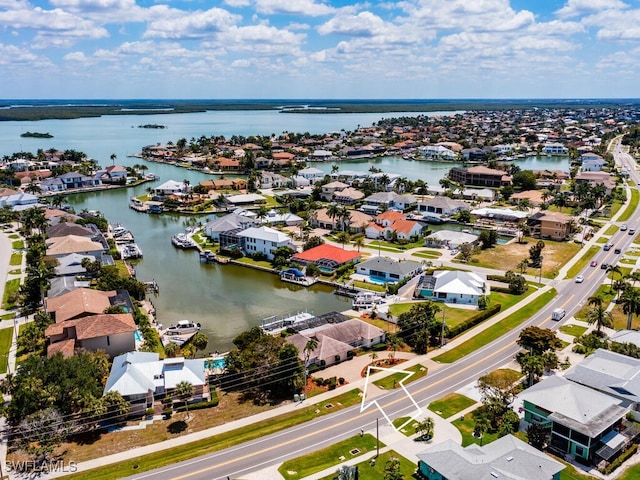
point(36, 135)
point(152, 125)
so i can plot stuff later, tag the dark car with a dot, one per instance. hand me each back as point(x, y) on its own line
point(617, 250)
point(604, 266)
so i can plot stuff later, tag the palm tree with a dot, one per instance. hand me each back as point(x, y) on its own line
point(184, 392)
point(333, 210)
point(612, 269)
point(598, 315)
point(56, 200)
point(359, 242)
point(113, 158)
point(630, 300)
point(344, 215)
point(343, 238)
point(33, 188)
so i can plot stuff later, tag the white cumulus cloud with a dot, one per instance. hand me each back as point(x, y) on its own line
point(576, 8)
point(198, 24)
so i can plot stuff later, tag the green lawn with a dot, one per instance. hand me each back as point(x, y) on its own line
point(6, 334)
point(408, 430)
point(503, 375)
point(375, 287)
point(427, 254)
point(580, 264)
point(466, 427)
point(332, 455)
point(16, 259)
point(367, 471)
point(7, 316)
point(573, 329)
point(451, 404)
point(393, 381)
point(11, 287)
point(14, 236)
point(497, 330)
point(17, 245)
point(396, 246)
point(219, 442)
point(633, 205)
point(611, 230)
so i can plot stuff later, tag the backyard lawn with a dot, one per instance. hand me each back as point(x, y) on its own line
point(451, 404)
point(508, 256)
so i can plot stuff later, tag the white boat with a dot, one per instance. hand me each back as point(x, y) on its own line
point(181, 240)
point(183, 327)
point(129, 250)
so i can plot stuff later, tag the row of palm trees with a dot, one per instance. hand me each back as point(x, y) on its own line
point(628, 296)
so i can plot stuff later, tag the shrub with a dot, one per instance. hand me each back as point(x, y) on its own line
point(199, 406)
point(473, 321)
point(378, 347)
point(620, 460)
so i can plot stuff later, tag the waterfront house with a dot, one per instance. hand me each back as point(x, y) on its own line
point(593, 165)
point(141, 377)
point(442, 206)
point(274, 180)
point(401, 228)
point(229, 222)
point(534, 197)
point(507, 458)
point(77, 180)
point(274, 217)
point(171, 187)
point(451, 239)
point(388, 270)
point(327, 257)
point(583, 422)
point(112, 174)
point(62, 285)
point(453, 286)
point(61, 246)
point(72, 264)
point(63, 229)
point(474, 154)
point(52, 185)
point(310, 174)
point(19, 201)
point(113, 333)
point(555, 149)
point(437, 152)
point(499, 214)
point(86, 301)
point(380, 201)
point(263, 240)
point(479, 176)
point(245, 199)
point(553, 225)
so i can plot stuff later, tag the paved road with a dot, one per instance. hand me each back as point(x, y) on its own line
point(274, 449)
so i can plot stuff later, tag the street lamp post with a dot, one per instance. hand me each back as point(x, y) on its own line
point(442, 332)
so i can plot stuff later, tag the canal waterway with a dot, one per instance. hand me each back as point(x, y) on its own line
point(225, 299)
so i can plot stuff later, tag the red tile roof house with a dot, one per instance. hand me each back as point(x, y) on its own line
point(327, 256)
point(113, 333)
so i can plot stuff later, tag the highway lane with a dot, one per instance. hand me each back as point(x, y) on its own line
point(274, 449)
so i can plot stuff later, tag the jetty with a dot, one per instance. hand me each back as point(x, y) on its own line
point(293, 275)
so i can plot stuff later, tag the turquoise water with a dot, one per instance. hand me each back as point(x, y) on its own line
point(377, 280)
point(217, 363)
point(138, 336)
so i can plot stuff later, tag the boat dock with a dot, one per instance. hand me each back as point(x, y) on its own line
point(293, 275)
point(209, 257)
point(280, 322)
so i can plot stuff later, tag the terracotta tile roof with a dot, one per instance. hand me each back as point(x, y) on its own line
point(95, 326)
point(391, 216)
point(5, 192)
point(66, 347)
point(329, 252)
point(404, 226)
point(78, 302)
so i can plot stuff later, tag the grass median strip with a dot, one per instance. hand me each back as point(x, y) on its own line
point(6, 335)
point(218, 442)
point(580, 264)
point(633, 204)
point(10, 289)
point(327, 457)
point(393, 381)
point(16, 259)
point(497, 330)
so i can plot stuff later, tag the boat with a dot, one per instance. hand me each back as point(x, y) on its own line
point(183, 327)
point(181, 240)
point(129, 250)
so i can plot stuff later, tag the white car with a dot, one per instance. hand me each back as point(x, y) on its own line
point(579, 279)
point(623, 227)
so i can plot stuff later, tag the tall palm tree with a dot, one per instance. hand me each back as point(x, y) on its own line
point(613, 268)
point(599, 315)
point(344, 215)
point(113, 157)
point(333, 210)
point(630, 300)
point(184, 392)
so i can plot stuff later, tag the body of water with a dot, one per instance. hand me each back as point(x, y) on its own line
point(225, 299)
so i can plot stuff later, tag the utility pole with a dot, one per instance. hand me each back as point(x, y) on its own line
point(377, 437)
point(540, 274)
point(442, 332)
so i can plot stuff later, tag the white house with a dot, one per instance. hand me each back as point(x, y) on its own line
point(229, 222)
point(263, 240)
point(141, 376)
point(555, 149)
point(437, 152)
point(442, 206)
point(388, 270)
point(453, 286)
point(593, 165)
point(171, 187)
point(311, 174)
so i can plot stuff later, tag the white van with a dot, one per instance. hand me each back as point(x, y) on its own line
point(558, 314)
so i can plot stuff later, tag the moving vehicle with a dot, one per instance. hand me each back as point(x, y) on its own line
point(593, 263)
point(558, 314)
point(579, 279)
point(607, 247)
point(617, 250)
point(604, 266)
point(623, 227)
point(631, 231)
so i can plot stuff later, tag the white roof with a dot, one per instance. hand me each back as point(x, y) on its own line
point(458, 282)
point(264, 233)
point(499, 212)
point(136, 373)
point(246, 198)
point(170, 185)
point(626, 336)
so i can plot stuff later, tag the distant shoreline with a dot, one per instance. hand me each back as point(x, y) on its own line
point(31, 110)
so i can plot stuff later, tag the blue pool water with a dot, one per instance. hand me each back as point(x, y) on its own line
point(218, 363)
point(138, 336)
point(377, 280)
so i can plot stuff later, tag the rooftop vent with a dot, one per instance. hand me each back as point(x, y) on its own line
point(509, 459)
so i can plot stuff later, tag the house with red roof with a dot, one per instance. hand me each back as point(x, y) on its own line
point(327, 256)
point(113, 333)
point(391, 223)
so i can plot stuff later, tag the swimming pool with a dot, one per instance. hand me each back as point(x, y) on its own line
point(378, 280)
point(216, 363)
point(138, 336)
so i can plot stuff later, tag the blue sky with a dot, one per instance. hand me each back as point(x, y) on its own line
point(319, 49)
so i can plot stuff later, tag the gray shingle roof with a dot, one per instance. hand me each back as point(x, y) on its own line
point(383, 264)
